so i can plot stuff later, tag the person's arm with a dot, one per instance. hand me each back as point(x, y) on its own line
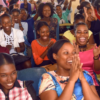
point(21, 48)
point(36, 15)
point(65, 4)
point(25, 27)
point(52, 95)
point(46, 51)
point(91, 39)
point(33, 2)
point(89, 92)
point(70, 4)
point(96, 53)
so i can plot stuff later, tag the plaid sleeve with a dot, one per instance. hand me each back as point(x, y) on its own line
point(29, 97)
point(46, 83)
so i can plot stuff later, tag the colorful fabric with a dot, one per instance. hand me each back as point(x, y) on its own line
point(64, 17)
point(37, 52)
point(17, 93)
point(52, 81)
point(86, 57)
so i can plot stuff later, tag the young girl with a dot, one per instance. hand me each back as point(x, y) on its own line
point(41, 45)
point(70, 34)
point(13, 39)
point(68, 82)
point(45, 11)
point(92, 22)
point(10, 87)
point(89, 53)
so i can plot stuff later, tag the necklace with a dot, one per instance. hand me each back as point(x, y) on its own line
point(83, 47)
point(44, 45)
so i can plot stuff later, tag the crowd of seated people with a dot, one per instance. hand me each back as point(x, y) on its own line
point(45, 36)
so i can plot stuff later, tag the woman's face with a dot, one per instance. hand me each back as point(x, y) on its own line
point(44, 33)
point(82, 35)
point(8, 75)
point(59, 10)
point(46, 11)
point(90, 17)
point(24, 15)
point(16, 16)
point(6, 24)
point(64, 57)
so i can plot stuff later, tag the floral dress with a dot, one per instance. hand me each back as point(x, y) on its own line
point(52, 81)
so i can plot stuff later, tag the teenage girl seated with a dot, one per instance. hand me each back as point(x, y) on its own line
point(13, 39)
point(70, 34)
point(41, 45)
point(10, 87)
point(69, 81)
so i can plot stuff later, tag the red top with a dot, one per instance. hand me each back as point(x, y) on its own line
point(37, 51)
point(97, 15)
point(4, 50)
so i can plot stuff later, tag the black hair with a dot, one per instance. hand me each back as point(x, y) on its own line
point(23, 9)
point(83, 4)
point(40, 9)
point(80, 1)
point(78, 24)
point(58, 6)
point(40, 24)
point(55, 48)
point(6, 59)
point(1, 6)
point(97, 4)
point(78, 16)
point(5, 15)
point(8, 10)
point(15, 10)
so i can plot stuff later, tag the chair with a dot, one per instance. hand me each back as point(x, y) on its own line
point(33, 74)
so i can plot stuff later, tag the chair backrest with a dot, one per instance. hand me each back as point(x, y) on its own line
point(33, 74)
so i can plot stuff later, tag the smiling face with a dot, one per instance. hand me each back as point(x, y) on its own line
point(44, 33)
point(16, 16)
point(46, 11)
point(6, 24)
point(82, 35)
point(64, 56)
point(59, 11)
point(90, 17)
point(24, 15)
point(8, 75)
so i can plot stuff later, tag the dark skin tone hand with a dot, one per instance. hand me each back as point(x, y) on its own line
point(45, 52)
point(21, 48)
point(9, 47)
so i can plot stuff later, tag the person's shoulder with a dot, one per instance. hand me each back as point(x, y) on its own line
point(48, 75)
point(23, 23)
point(67, 32)
point(34, 43)
point(90, 46)
point(53, 40)
point(17, 30)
